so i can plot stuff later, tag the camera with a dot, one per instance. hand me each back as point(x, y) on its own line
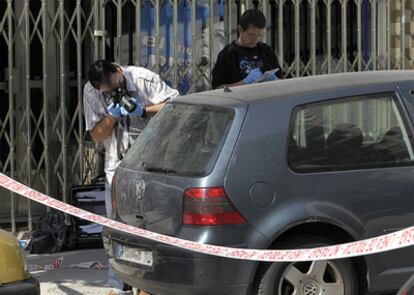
point(120, 95)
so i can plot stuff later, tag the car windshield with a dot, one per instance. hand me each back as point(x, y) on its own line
point(182, 139)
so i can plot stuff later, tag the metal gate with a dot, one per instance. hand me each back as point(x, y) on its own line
point(46, 47)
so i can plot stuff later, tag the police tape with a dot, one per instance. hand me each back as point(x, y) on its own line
point(392, 241)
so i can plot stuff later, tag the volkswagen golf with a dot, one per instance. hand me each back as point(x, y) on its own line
point(297, 163)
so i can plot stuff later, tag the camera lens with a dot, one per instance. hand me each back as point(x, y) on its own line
point(128, 104)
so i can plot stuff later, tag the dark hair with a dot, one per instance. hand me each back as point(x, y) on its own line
point(252, 17)
point(100, 72)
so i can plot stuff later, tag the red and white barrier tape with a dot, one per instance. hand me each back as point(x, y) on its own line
point(396, 240)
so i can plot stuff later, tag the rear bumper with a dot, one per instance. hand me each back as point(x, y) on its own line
point(27, 287)
point(179, 272)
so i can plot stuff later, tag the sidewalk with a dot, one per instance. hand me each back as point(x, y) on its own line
point(68, 280)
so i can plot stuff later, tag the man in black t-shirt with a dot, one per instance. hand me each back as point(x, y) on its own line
point(246, 59)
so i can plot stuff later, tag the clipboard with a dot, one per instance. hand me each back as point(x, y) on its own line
point(266, 75)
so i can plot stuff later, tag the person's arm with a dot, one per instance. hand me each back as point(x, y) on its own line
point(152, 109)
point(103, 129)
point(252, 77)
point(99, 123)
point(155, 94)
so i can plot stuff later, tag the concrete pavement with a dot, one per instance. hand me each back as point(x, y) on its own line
point(69, 280)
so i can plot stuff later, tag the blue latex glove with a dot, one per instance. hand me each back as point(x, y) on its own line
point(114, 110)
point(271, 77)
point(252, 76)
point(139, 111)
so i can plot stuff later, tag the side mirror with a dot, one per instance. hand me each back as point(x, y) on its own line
point(408, 287)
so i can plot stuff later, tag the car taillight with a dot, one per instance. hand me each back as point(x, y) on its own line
point(113, 194)
point(209, 206)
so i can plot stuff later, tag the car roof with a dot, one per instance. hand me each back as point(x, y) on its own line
point(312, 84)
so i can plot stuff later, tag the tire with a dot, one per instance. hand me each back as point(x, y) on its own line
point(332, 277)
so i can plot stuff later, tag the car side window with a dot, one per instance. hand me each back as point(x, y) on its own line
point(349, 133)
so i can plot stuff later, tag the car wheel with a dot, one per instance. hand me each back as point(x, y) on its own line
point(328, 277)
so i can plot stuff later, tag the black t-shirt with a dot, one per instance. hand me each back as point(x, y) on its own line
point(235, 62)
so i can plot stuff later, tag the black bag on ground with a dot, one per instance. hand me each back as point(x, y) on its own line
point(53, 234)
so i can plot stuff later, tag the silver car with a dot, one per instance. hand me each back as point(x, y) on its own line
point(295, 163)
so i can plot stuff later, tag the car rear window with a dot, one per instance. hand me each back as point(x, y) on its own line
point(182, 139)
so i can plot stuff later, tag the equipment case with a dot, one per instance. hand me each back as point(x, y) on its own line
point(90, 197)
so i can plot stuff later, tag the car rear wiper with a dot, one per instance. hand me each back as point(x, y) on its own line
point(153, 168)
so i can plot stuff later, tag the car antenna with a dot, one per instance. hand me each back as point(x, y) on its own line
point(227, 89)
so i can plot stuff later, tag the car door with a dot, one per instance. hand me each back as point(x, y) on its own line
point(356, 155)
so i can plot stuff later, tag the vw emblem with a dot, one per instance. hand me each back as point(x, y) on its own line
point(140, 189)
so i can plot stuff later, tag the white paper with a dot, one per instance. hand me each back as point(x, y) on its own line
point(266, 74)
